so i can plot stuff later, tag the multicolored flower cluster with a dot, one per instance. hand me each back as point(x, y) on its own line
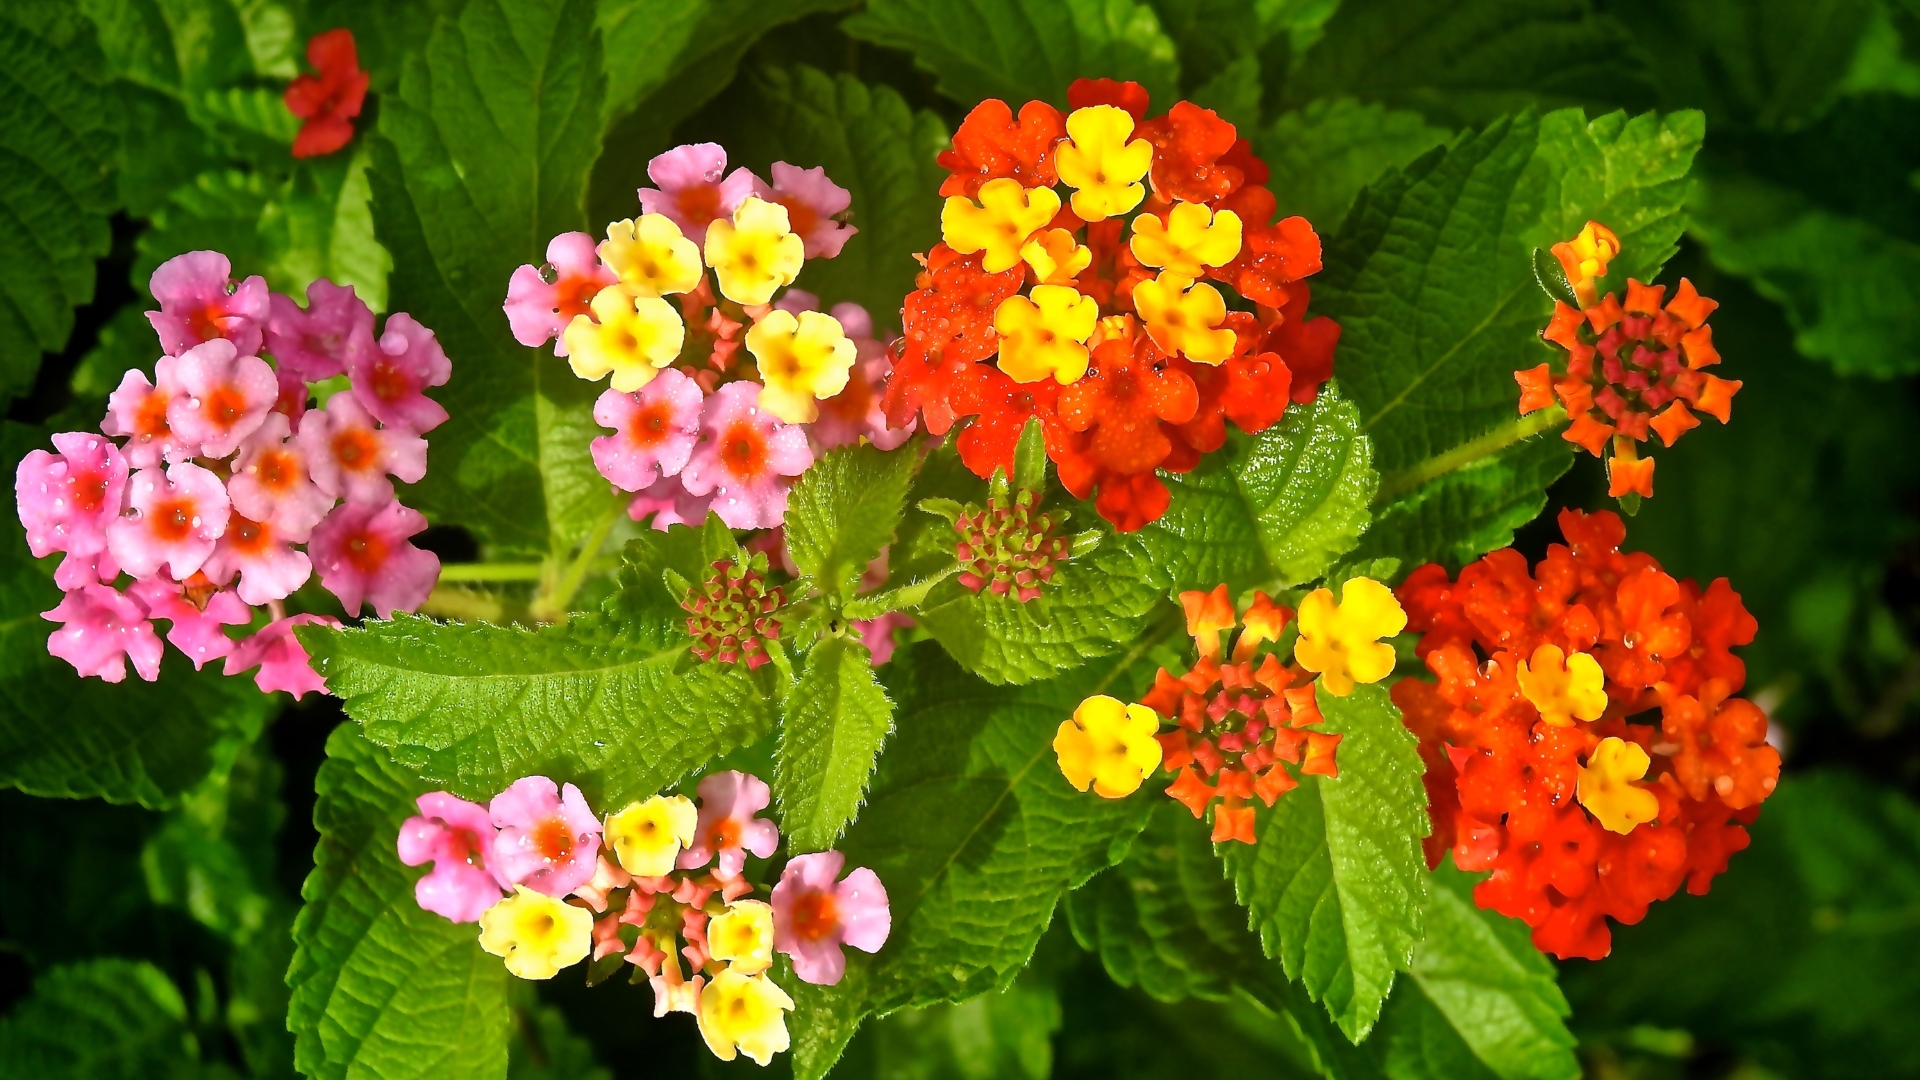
point(550, 884)
point(696, 429)
point(1544, 763)
point(1237, 724)
point(223, 473)
point(1630, 366)
point(1105, 328)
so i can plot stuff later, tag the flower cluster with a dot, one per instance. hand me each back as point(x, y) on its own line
point(1009, 548)
point(695, 428)
point(224, 472)
point(1105, 328)
point(731, 615)
point(329, 100)
point(1630, 367)
point(1238, 716)
point(1542, 765)
point(550, 884)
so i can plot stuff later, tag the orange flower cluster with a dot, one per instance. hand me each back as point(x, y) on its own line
point(1236, 723)
point(1630, 367)
point(1121, 388)
point(1543, 763)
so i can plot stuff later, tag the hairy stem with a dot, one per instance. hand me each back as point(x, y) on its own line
point(1412, 478)
point(481, 571)
point(552, 604)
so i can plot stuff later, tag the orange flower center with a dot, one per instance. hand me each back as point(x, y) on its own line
point(248, 537)
point(815, 915)
point(356, 450)
point(150, 417)
point(699, 204)
point(367, 553)
point(277, 469)
point(651, 425)
point(206, 322)
point(389, 382)
point(744, 450)
point(552, 839)
point(172, 519)
point(224, 406)
point(89, 490)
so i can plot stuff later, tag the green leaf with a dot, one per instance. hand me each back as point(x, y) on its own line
point(1030, 459)
point(903, 598)
point(1277, 510)
point(481, 158)
point(976, 834)
point(1320, 156)
point(834, 721)
point(843, 510)
point(99, 1020)
point(1431, 279)
point(382, 988)
point(544, 1047)
point(1007, 1035)
point(178, 47)
point(59, 140)
point(1018, 50)
point(1336, 887)
point(476, 707)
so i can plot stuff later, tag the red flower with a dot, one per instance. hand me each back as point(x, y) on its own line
point(991, 144)
point(1272, 257)
point(1127, 390)
point(1131, 96)
point(1306, 345)
point(1191, 158)
point(1001, 409)
point(330, 100)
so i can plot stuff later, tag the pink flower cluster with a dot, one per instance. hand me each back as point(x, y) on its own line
point(223, 473)
point(544, 837)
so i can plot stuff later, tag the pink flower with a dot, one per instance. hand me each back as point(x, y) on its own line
point(200, 302)
point(812, 201)
point(670, 505)
point(195, 631)
point(67, 500)
point(542, 300)
point(349, 457)
point(728, 829)
point(813, 915)
point(855, 413)
point(656, 428)
point(877, 634)
point(549, 840)
point(456, 836)
point(797, 301)
point(101, 627)
point(691, 191)
point(270, 483)
point(222, 398)
point(292, 402)
point(269, 567)
point(176, 518)
point(282, 660)
point(363, 554)
point(390, 380)
point(746, 458)
point(324, 338)
point(137, 410)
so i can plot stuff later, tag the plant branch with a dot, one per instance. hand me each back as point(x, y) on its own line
point(1412, 478)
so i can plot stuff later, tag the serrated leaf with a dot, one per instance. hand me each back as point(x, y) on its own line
point(833, 722)
point(475, 707)
point(843, 510)
point(1336, 886)
point(1276, 510)
point(1018, 50)
point(976, 835)
point(103, 1019)
point(1322, 154)
point(1030, 458)
point(1553, 278)
point(382, 988)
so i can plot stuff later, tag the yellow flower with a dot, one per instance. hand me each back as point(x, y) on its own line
point(1045, 335)
point(1180, 317)
point(537, 934)
point(803, 361)
point(744, 1014)
point(632, 337)
point(651, 256)
point(1056, 257)
point(1585, 258)
point(1101, 164)
point(743, 935)
point(1607, 790)
point(1342, 641)
point(1563, 687)
point(1193, 237)
point(647, 836)
point(1109, 744)
point(1006, 216)
point(755, 253)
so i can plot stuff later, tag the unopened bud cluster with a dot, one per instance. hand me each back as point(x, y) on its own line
point(730, 615)
point(1008, 548)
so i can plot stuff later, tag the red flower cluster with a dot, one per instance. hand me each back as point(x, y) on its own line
point(329, 101)
point(1236, 723)
point(1508, 768)
point(1139, 407)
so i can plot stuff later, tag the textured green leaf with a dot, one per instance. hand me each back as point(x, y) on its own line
point(843, 510)
point(1336, 887)
point(381, 988)
point(59, 139)
point(476, 707)
point(1277, 510)
point(180, 47)
point(1006, 1035)
point(482, 157)
point(834, 720)
point(1018, 50)
point(99, 1020)
point(870, 143)
point(976, 835)
point(1320, 156)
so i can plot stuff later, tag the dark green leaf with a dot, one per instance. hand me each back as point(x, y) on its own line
point(833, 723)
point(1323, 154)
point(99, 1020)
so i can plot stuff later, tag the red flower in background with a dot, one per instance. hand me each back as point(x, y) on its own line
point(330, 100)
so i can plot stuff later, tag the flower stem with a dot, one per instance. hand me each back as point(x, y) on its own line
point(490, 572)
point(552, 605)
point(1411, 479)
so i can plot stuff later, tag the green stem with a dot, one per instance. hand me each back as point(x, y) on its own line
point(554, 604)
point(1412, 478)
point(490, 572)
